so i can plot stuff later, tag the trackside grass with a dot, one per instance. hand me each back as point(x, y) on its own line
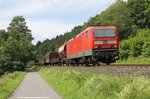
point(83, 85)
point(135, 60)
point(9, 82)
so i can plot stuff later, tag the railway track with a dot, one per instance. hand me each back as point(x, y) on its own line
point(113, 69)
point(145, 65)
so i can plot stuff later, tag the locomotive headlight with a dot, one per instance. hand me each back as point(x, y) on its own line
point(112, 42)
point(98, 42)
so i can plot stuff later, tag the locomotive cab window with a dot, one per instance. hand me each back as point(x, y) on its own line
point(104, 33)
point(87, 35)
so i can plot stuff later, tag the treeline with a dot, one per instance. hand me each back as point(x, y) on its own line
point(16, 48)
point(129, 16)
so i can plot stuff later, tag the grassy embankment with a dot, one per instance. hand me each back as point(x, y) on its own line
point(82, 85)
point(135, 60)
point(9, 82)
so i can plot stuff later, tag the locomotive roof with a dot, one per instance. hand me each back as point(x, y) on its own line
point(90, 28)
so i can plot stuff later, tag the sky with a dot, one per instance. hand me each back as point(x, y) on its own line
point(49, 18)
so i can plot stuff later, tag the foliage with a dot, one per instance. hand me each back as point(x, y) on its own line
point(136, 46)
point(9, 82)
point(82, 85)
point(16, 48)
point(139, 12)
point(3, 36)
point(146, 49)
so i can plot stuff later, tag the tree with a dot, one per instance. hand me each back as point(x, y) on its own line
point(18, 29)
point(147, 11)
point(20, 40)
point(16, 48)
point(93, 21)
point(140, 12)
point(3, 36)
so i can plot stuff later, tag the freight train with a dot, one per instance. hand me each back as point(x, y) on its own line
point(94, 45)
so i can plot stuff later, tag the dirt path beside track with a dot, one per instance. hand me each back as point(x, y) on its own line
point(34, 87)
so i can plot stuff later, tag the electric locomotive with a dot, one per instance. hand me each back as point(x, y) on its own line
point(94, 45)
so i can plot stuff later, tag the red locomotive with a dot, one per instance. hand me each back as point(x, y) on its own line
point(95, 44)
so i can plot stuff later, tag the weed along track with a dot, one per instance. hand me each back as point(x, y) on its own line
point(118, 70)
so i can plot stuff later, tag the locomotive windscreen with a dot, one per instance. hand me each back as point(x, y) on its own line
point(104, 33)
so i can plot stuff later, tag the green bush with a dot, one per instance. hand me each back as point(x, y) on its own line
point(146, 49)
point(136, 46)
point(19, 66)
point(10, 66)
point(124, 49)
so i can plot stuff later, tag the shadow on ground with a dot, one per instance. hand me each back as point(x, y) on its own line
point(30, 70)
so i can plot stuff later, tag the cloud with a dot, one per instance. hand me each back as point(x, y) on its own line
point(43, 29)
point(4, 24)
point(75, 3)
point(29, 8)
point(23, 9)
point(71, 5)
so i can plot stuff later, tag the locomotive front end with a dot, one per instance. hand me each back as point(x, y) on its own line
point(105, 44)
